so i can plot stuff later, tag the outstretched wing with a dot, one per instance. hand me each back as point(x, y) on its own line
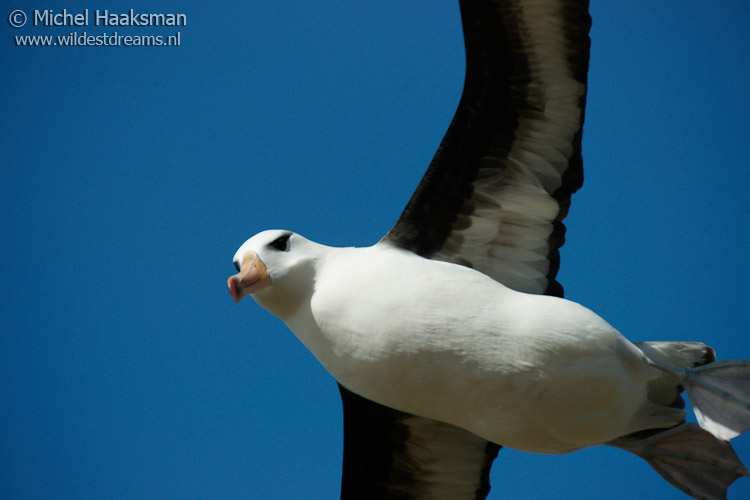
point(493, 198)
point(390, 454)
point(499, 186)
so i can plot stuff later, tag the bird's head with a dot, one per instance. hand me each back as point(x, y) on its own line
point(276, 268)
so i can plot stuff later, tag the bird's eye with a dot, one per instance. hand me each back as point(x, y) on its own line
point(280, 242)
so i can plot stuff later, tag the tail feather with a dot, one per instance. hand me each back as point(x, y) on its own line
point(720, 393)
point(690, 459)
point(668, 355)
point(678, 354)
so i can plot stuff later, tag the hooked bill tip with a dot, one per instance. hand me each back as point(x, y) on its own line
point(232, 285)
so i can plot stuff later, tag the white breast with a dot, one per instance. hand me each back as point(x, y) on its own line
point(439, 340)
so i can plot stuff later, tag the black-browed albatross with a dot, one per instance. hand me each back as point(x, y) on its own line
point(401, 324)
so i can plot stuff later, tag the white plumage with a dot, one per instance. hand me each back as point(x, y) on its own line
point(532, 372)
point(444, 323)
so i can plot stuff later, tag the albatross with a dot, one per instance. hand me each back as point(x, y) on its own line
point(451, 334)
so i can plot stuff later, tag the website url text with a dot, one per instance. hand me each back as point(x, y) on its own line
point(75, 39)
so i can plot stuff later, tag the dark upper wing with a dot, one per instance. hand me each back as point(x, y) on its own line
point(493, 198)
point(496, 192)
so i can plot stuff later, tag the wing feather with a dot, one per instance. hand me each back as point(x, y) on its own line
point(394, 455)
point(493, 198)
point(499, 186)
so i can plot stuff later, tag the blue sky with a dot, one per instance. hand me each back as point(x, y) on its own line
point(130, 175)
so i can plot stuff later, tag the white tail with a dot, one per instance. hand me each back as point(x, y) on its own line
point(720, 394)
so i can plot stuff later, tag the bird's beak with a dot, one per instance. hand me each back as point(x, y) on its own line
point(252, 277)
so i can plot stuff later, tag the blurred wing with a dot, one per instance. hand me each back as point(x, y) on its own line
point(493, 198)
point(499, 186)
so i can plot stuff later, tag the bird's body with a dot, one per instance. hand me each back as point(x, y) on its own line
point(449, 338)
point(534, 372)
